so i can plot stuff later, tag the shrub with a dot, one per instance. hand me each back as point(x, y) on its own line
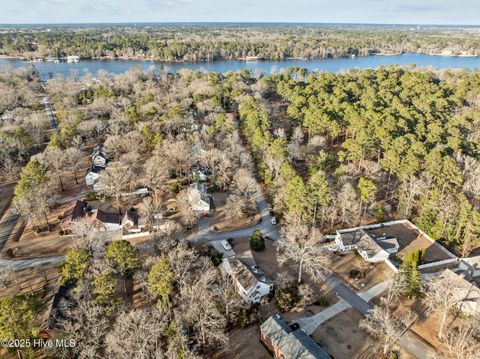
point(357, 273)
point(248, 315)
point(216, 258)
point(322, 302)
point(257, 242)
point(92, 196)
point(287, 298)
point(175, 187)
point(65, 232)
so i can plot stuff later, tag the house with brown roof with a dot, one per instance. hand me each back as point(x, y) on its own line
point(99, 220)
point(289, 341)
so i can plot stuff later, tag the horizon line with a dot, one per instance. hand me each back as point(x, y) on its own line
point(235, 22)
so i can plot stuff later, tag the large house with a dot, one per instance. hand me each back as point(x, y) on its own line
point(373, 248)
point(99, 157)
point(198, 197)
point(250, 281)
point(288, 341)
point(98, 220)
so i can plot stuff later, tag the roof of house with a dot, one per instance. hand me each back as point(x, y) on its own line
point(468, 289)
point(99, 151)
point(76, 210)
point(472, 261)
point(368, 242)
point(199, 193)
point(293, 344)
point(242, 273)
point(105, 217)
point(132, 216)
point(94, 169)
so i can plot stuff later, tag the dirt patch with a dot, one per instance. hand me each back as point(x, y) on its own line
point(427, 325)
point(341, 337)
point(375, 273)
point(243, 343)
point(221, 223)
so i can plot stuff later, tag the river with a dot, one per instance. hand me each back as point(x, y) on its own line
point(47, 69)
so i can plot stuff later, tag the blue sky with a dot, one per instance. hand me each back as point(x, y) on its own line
point(346, 11)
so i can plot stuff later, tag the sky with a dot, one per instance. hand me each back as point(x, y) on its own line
point(462, 12)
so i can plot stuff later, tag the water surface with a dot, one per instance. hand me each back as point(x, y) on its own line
point(47, 69)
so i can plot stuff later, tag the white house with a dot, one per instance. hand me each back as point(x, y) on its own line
point(251, 282)
point(99, 157)
point(73, 58)
point(199, 198)
point(471, 266)
point(92, 175)
point(372, 248)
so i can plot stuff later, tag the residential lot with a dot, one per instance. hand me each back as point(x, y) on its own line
point(410, 240)
point(374, 273)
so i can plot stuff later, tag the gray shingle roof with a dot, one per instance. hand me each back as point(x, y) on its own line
point(294, 344)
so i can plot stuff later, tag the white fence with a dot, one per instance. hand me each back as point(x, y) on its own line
point(136, 235)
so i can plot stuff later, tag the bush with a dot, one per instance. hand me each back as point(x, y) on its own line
point(257, 242)
point(216, 258)
point(248, 315)
point(287, 298)
point(322, 302)
point(357, 273)
point(92, 196)
point(175, 188)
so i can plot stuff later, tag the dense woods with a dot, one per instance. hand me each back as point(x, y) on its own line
point(215, 42)
point(386, 143)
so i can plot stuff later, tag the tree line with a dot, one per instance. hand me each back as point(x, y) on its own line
point(209, 43)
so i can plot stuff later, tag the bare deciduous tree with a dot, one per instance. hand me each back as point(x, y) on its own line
point(185, 208)
point(300, 244)
point(74, 157)
point(114, 180)
point(86, 323)
point(382, 325)
point(462, 341)
point(198, 310)
point(156, 172)
point(136, 334)
point(442, 295)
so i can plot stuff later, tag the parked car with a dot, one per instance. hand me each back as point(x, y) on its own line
point(273, 220)
point(226, 245)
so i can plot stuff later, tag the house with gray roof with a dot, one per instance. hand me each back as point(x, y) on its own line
point(250, 280)
point(373, 248)
point(289, 341)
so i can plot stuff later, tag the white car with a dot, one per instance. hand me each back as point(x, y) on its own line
point(226, 245)
point(273, 220)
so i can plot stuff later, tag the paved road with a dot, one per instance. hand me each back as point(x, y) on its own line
point(21, 264)
point(50, 113)
point(7, 225)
